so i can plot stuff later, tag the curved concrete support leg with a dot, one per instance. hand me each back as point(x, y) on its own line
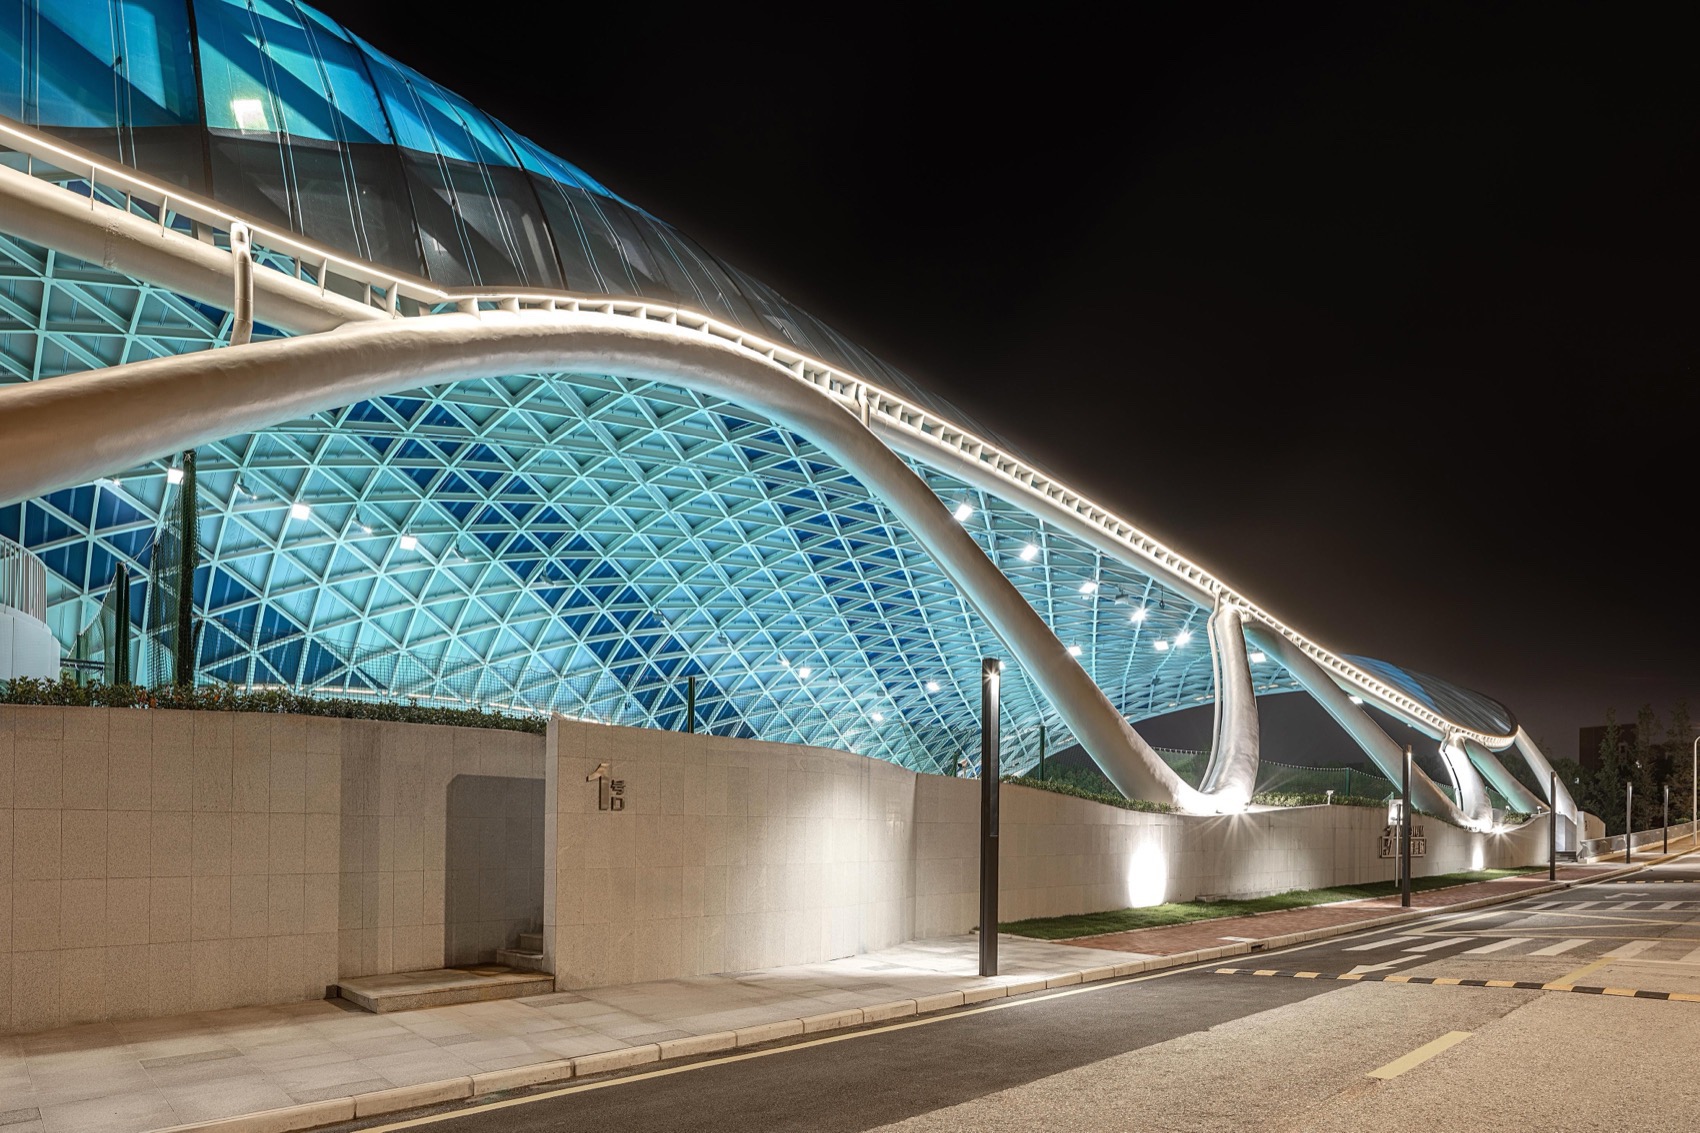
point(1376, 744)
point(1563, 804)
point(1502, 780)
point(1231, 777)
point(1472, 792)
point(70, 430)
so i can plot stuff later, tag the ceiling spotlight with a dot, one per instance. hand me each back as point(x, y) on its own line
point(878, 717)
point(804, 672)
point(932, 686)
point(1183, 637)
point(1088, 587)
point(1257, 658)
point(1160, 646)
point(174, 475)
point(409, 543)
point(1029, 553)
point(963, 511)
point(1074, 651)
point(300, 511)
point(1137, 616)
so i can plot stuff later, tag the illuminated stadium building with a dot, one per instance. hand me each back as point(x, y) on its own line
point(504, 437)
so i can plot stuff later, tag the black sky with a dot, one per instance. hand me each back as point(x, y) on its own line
point(1385, 313)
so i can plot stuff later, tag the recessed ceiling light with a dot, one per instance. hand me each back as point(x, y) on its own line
point(409, 543)
point(878, 717)
point(1088, 587)
point(1258, 658)
point(1137, 616)
point(1029, 553)
point(963, 511)
point(932, 686)
point(1160, 646)
point(173, 475)
point(1183, 637)
point(300, 511)
point(804, 672)
point(1355, 698)
point(1074, 651)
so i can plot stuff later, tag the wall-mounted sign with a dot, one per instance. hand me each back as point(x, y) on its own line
point(611, 792)
point(1390, 841)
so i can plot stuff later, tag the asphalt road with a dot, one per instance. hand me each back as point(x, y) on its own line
point(1204, 1049)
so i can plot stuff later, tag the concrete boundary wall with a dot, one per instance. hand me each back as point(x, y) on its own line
point(733, 854)
point(157, 862)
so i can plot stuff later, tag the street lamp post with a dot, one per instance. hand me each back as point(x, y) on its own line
point(1667, 818)
point(1628, 823)
point(1694, 800)
point(1552, 828)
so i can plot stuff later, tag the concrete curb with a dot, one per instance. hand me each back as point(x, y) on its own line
point(299, 1117)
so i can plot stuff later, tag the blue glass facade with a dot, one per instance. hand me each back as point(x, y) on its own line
point(578, 542)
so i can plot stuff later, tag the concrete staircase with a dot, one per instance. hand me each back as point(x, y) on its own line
point(527, 956)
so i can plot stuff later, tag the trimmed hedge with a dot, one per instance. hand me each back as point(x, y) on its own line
point(66, 693)
point(1278, 798)
point(1094, 796)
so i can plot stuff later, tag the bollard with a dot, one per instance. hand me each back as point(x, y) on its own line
point(1629, 824)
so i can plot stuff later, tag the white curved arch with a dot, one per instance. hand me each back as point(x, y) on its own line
point(1232, 773)
point(73, 429)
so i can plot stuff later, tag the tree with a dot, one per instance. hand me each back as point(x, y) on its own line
point(1605, 790)
point(1644, 769)
point(1679, 740)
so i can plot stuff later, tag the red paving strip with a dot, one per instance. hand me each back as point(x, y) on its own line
point(1171, 939)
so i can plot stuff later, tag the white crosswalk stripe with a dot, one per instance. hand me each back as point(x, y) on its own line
point(1382, 943)
point(1580, 905)
point(1623, 906)
point(1692, 958)
point(1633, 948)
point(1665, 906)
point(1497, 945)
point(1558, 949)
point(1433, 944)
point(1542, 905)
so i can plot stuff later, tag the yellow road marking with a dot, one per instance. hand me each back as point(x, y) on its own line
point(1630, 992)
point(1419, 1056)
point(1396, 979)
point(1446, 981)
point(1306, 975)
point(1502, 983)
point(1570, 978)
point(1264, 972)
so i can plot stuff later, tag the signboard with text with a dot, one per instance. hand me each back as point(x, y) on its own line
point(1390, 841)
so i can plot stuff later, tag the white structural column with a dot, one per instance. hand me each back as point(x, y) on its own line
point(1231, 777)
point(1472, 792)
point(72, 429)
point(1376, 744)
point(1502, 780)
point(1563, 804)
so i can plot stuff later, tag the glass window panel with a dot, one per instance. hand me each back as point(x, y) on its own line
point(97, 63)
point(268, 69)
point(429, 118)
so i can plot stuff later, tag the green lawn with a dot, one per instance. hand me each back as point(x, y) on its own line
point(1154, 916)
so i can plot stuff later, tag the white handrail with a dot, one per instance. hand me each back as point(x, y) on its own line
point(378, 287)
point(23, 580)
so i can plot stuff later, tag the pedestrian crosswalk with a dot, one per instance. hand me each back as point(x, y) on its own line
point(1439, 945)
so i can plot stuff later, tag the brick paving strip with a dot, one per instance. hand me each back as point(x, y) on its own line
point(393, 1062)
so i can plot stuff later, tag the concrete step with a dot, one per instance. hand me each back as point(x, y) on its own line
point(530, 942)
point(521, 959)
point(409, 991)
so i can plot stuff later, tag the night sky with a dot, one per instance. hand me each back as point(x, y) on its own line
point(1386, 315)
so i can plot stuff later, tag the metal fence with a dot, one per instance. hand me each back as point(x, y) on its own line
point(23, 580)
point(1596, 848)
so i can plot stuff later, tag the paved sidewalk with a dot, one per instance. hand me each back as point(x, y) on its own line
point(156, 1073)
point(300, 1065)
